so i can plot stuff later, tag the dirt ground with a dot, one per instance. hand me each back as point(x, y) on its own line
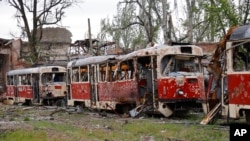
point(69, 124)
point(18, 117)
point(14, 116)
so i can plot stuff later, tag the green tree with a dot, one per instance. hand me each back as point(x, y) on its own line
point(118, 29)
point(136, 23)
point(217, 17)
point(200, 21)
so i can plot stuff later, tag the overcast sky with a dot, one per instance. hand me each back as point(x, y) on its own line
point(76, 20)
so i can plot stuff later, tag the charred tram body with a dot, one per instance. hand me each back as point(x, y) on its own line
point(232, 87)
point(93, 82)
point(161, 79)
point(37, 85)
point(180, 78)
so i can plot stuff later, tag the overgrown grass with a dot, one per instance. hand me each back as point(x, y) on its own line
point(167, 131)
point(59, 128)
point(132, 131)
point(85, 127)
point(23, 135)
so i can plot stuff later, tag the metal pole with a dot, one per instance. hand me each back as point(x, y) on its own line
point(90, 40)
point(153, 78)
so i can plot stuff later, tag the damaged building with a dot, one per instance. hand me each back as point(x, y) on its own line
point(82, 48)
point(10, 58)
point(55, 48)
point(52, 48)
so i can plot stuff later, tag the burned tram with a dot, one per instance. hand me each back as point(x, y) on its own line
point(42, 85)
point(160, 79)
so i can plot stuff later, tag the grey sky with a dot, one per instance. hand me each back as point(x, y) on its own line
point(76, 19)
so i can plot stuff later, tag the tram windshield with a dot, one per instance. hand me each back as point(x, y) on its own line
point(53, 77)
point(241, 57)
point(179, 65)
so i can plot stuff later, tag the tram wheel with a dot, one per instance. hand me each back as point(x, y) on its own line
point(28, 102)
point(247, 116)
point(60, 103)
point(45, 102)
point(125, 109)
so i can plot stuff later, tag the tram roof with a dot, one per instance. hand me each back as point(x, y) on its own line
point(91, 60)
point(190, 50)
point(142, 52)
point(241, 32)
point(33, 70)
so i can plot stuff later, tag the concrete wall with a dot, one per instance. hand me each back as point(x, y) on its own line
point(56, 34)
point(54, 46)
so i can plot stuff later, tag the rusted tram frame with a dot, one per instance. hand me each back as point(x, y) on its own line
point(98, 91)
point(129, 92)
point(129, 87)
point(230, 76)
point(26, 86)
point(235, 89)
point(144, 60)
point(179, 90)
point(155, 99)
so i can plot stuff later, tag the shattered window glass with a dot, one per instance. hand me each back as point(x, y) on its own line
point(241, 57)
point(179, 65)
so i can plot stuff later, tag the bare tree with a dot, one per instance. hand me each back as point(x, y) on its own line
point(42, 13)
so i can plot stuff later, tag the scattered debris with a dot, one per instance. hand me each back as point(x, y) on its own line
point(136, 112)
point(58, 110)
point(8, 102)
point(211, 114)
point(147, 138)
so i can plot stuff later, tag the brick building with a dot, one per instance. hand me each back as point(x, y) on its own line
point(10, 58)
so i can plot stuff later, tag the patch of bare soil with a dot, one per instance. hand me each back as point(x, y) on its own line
point(13, 117)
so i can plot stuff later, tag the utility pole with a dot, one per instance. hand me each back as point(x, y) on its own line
point(90, 40)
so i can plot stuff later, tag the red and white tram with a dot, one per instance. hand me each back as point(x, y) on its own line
point(97, 82)
point(43, 85)
point(170, 77)
point(180, 78)
point(233, 87)
point(166, 77)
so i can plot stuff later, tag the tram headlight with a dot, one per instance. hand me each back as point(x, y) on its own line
point(180, 92)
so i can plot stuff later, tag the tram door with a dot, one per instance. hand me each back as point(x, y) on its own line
point(93, 84)
point(35, 86)
point(153, 66)
point(15, 82)
point(148, 78)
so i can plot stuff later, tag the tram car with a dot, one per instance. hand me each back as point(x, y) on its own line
point(164, 78)
point(44, 85)
point(231, 85)
point(98, 82)
point(170, 78)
